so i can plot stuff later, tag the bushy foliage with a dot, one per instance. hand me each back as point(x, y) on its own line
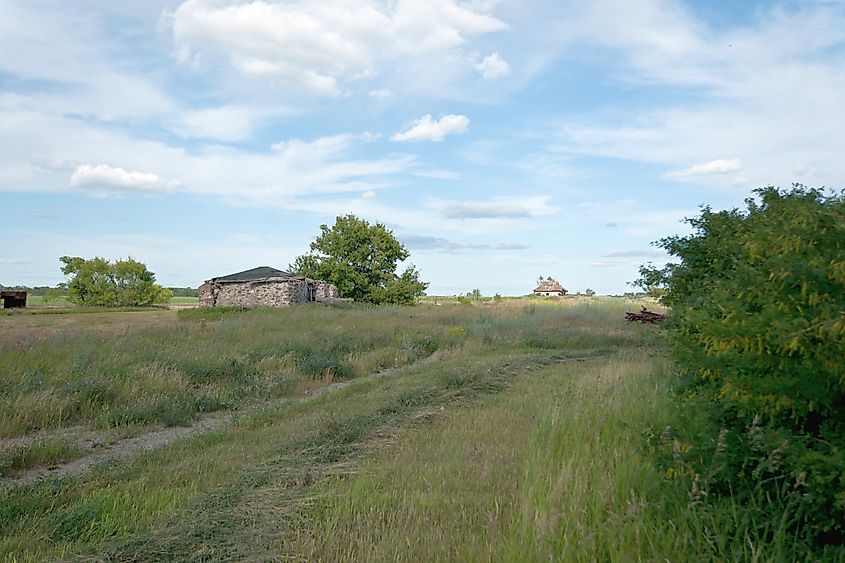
point(122, 283)
point(758, 300)
point(361, 260)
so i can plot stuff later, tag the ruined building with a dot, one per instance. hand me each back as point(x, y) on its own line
point(550, 288)
point(263, 287)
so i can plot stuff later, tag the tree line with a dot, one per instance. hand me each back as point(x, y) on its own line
point(360, 258)
point(60, 290)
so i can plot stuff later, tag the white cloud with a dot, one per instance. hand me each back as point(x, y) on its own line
point(224, 123)
point(496, 208)
point(381, 93)
point(718, 166)
point(776, 128)
point(493, 67)
point(55, 164)
point(69, 48)
point(33, 161)
point(11, 261)
point(115, 179)
point(426, 243)
point(319, 46)
point(427, 129)
point(369, 194)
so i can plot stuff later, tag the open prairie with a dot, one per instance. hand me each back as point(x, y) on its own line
point(510, 431)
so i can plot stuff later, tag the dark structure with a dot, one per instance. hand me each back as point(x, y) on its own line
point(13, 299)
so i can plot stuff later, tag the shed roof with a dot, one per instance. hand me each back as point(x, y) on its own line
point(549, 285)
point(255, 274)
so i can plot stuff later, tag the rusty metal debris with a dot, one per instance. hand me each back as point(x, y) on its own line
point(645, 316)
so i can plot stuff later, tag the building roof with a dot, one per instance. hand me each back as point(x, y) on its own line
point(255, 274)
point(549, 285)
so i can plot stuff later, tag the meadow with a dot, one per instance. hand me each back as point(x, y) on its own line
point(514, 430)
point(61, 300)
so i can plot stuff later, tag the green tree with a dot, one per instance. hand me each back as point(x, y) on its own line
point(758, 300)
point(97, 281)
point(361, 260)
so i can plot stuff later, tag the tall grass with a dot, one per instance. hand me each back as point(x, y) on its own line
point(217, 494)
point(230, 473)
point(525, 436)
point(170, 372)
point(554, 469)
point(60, 371)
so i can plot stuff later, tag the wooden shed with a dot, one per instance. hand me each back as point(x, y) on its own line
point(13, 299)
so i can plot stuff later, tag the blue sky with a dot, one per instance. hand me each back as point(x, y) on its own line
point(499, 140)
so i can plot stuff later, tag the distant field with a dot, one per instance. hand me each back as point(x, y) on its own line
point(498, 431)
point(184, 300)
point(39, 301)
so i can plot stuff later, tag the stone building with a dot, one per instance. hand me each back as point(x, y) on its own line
point(263, 287)
point(550, 288)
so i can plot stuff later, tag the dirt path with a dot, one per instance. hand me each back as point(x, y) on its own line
point(107, 445)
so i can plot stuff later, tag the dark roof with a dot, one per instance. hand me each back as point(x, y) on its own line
point(255, 274)
point(13, 294)
point(549, 285)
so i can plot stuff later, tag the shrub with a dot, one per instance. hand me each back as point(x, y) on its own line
point(758, 299)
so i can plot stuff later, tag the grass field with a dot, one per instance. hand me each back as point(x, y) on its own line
point(184, 300)
point(39, 301)
point(510, 431)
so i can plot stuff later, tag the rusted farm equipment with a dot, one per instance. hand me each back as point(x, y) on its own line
point(645, 316)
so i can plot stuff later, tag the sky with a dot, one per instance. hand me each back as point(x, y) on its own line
point(499, 140)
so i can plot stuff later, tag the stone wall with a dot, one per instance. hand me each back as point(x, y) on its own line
point(324, 290)
point(205, 292)
point(263, 293)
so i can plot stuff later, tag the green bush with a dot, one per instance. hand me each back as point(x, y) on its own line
point(758, 301)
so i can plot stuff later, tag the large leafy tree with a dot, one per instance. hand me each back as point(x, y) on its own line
point(758, 299)
point(361, 259)
point(97, 281)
